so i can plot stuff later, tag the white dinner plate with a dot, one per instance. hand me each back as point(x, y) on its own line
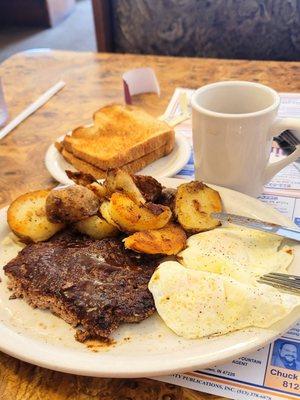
point(144, 349)
point(163, 167)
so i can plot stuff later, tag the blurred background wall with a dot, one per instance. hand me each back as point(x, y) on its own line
point(73, 30)
point(249, 29)
point(252, 29)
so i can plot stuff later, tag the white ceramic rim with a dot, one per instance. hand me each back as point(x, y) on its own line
point(254, 114)
point(49, 356)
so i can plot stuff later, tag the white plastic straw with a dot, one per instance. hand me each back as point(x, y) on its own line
point(32, 108)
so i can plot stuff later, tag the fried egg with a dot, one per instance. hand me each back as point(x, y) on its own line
point(240, 253)
point(196, 303)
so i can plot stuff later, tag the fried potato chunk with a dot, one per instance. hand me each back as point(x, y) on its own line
point(96, 227)
point(131, 217)
point(105, 213)
point(99, 190)
point(119, 180)
point(169, 240)
point(26, 217)
point(194, 202)
point(71, 204)
point(87, 180)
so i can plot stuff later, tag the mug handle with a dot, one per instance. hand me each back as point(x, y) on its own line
point(279, 126)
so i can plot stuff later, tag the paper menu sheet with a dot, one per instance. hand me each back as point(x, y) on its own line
point(261, 375)
point(265, 374)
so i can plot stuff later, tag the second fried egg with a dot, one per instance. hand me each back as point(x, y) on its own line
point(240, 253)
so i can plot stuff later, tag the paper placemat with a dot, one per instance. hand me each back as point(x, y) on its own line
point(264, 374)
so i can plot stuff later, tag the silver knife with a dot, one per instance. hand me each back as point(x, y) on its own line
point(284, 231)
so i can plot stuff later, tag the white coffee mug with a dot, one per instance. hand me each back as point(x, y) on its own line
point(234, 123)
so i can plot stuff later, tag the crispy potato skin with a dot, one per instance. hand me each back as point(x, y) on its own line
point(87, 180)
point(81, 178)
point(131, 217)
point(71, 204)
point(169, 240)
point(119, 180)
point(98, 189)
point(96, 227)
point(121, 203)
point(149, 187)
point(194, 202)
point(26, 217)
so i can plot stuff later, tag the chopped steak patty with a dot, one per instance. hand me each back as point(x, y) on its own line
point(96, 284)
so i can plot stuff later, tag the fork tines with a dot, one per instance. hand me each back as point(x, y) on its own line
point(282, 281)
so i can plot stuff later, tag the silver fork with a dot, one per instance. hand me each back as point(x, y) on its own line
point(287, 282)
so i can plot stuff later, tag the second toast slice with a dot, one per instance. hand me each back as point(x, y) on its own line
point(132, 167)
point(119, 135)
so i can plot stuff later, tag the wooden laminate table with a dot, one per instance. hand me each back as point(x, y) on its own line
point(93, 80)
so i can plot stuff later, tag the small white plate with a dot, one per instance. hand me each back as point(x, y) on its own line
point(145, 349)
point(162, 168)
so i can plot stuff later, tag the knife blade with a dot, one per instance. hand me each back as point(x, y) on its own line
point(284, 231)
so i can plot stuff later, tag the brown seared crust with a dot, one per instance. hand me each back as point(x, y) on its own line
point(81, 178)
point(149, 187)
point(96, 284)
point(156, 209)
